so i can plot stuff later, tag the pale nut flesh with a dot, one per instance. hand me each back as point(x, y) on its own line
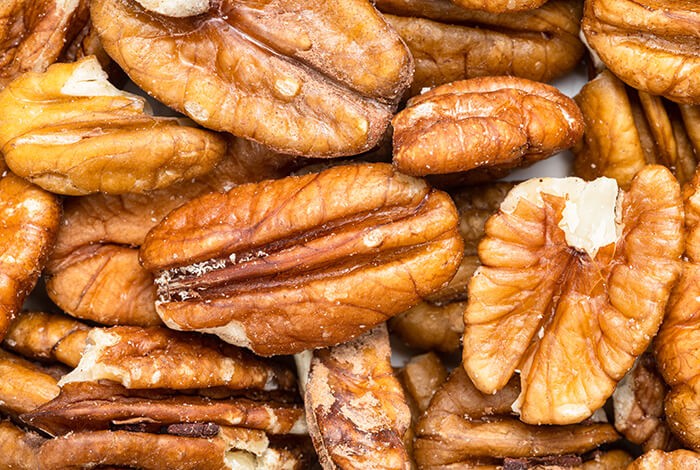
point(572, 289)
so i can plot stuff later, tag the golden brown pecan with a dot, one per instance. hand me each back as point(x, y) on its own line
point(156, 357)
point(422, 376)
point(611, 460)
point(451, 43)
point(48, 337)
point(573, 287)
point(626, 129)
point(639, 407)
point(502, 122)
point(303, 77)
point(464, 428)
point(431, 327)
point(33, 33)
point(92, 406)
point(30, 218)
point(70, 131)
point(652, 45)
point(499, 6)
point(303, 262)
point(659, 460)
point(24, 385)
point(94, 272)
point(355, 406)
point(231, 448)
point(19, 449)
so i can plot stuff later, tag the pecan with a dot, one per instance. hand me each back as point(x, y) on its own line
point(355, 406)
point(660, 460)
point(422, 376)
point(431, 327)
point(24, 385)
point(483, 122)
point(70, 131)
point(574, 283)
point(305, 261)
point(463, 427)
point(19, 449)
point(499, 6)
point(293, 75)
point(451, 43)
point(30, 218)
point(156, 357)
point(661, 35)
point(626, 129)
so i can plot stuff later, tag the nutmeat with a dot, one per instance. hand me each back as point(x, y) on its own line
point(303, 262)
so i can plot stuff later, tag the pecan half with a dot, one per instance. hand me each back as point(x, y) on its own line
point(24, 386)
point(293, 75)
point(451, 43)
point(660, 460)
point(160, 358)
point(30, 218)
point(464, 428)
point(355, 406)
point(652, 45)
point(19, 449)
point(574, 283)
point(71, 132)
point(303, 262)
point(626, 129)
point(502, 122)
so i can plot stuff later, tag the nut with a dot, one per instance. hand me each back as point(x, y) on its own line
point(19, 449)
point(573, 287)
point(303, 262)
point(355, 406)
point(483, 122)
point(660, 35)
point(24, 385)
point(464, 427)
point(422, 376)
point(266, 72)
point(30, 218)
point(451, 43)
point(160, 358)
point(176, 8)
point(657, 459)
point(71, 132)
point(626, 129)
point(499, 6)
point(431, 327)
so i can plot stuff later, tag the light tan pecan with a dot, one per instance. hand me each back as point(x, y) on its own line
point(19, 448)
point(660, 460)
point(24, 386)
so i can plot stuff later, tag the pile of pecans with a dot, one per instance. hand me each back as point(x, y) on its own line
point(217, 288)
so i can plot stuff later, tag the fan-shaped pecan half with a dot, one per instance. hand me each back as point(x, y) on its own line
point(626, 129)
point(303, 77)
point(502, 122)
point(305, 261)
point(464, 428)
point(660, 460)
point(677, 344)
point(30, 218)
point(452, 43)
point(652, 45)
point(574, 284)
point(71, 132)
point(355, 406)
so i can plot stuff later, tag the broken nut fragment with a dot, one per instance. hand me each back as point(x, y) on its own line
point(72, 132)
point(573, 287)
point(305, 261)
point(501, 122)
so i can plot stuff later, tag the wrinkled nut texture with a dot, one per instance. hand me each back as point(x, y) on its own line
point(24, 386)
point(661, 34)
point(19, 448)
point(451, 43)
point(33, 34)
point(71, 132)
point(29, 219)
point(422, 376)
point(94, 271)
point(160, 358)
point(305, 261)
point(499, 6)
point(355, 406)
point(659, 460)
point(176, 8)
point(464, 428)
point(627, 129)
point(678, 340)
point(500, 122)
point(292, 75)
point(573, 287)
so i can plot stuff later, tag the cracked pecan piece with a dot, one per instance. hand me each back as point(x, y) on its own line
point(451, 43)
point(652, 45)
point(30, 218)
point(465, 428)
point(270, 71)
point(626, 129)
point(305, 261)
point(660, 460)
point(574, 281)
point(485, 122)
point(72, 132)
point(355, 406)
